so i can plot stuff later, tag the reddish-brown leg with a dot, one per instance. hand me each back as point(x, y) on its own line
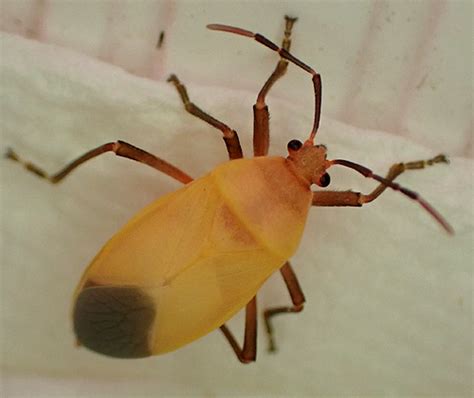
point(349, 198)
point(248, 353)
point(297, 298)
point(230, 136)
point(261, 130)
point(120, 148)
point(316, 77)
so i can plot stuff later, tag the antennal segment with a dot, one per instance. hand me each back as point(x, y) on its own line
point(288, 56)
point(397, 187)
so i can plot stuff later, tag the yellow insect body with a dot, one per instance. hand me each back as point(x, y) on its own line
point(197, 255)
point(188, 262)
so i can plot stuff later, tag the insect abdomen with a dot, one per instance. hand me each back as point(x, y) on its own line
point(115, 320)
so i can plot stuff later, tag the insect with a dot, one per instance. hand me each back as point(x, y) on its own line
point(185, 264)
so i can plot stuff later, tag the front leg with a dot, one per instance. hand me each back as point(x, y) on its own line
point(261, 117)
point(349, 198)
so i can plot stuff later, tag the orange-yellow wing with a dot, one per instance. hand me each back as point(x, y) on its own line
point(176, 271)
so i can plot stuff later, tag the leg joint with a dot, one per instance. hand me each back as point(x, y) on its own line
point(189, 106)
point(298, 307)
point(247, 358)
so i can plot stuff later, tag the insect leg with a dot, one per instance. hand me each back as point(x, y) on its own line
point(261, 131)
point(349, 198)
point(248, 353)
point(120, 148)
point(297, 298)
point(230, 136)
point(316, 77)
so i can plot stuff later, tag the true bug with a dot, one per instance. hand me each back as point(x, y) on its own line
point(189, 261)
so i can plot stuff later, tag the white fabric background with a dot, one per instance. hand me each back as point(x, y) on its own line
point(389, 293)
point(404, 67)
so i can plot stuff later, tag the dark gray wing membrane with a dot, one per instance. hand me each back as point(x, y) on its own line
point(115, 320)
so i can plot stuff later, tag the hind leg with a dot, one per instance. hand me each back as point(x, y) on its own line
point(297, 299)
point(248, 353)
point(120, 148)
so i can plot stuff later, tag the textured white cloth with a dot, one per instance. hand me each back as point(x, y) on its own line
point(389, 294)
point(398, 66)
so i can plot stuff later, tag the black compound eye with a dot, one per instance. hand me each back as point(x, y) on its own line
point(325, 180)
point(294, 145)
